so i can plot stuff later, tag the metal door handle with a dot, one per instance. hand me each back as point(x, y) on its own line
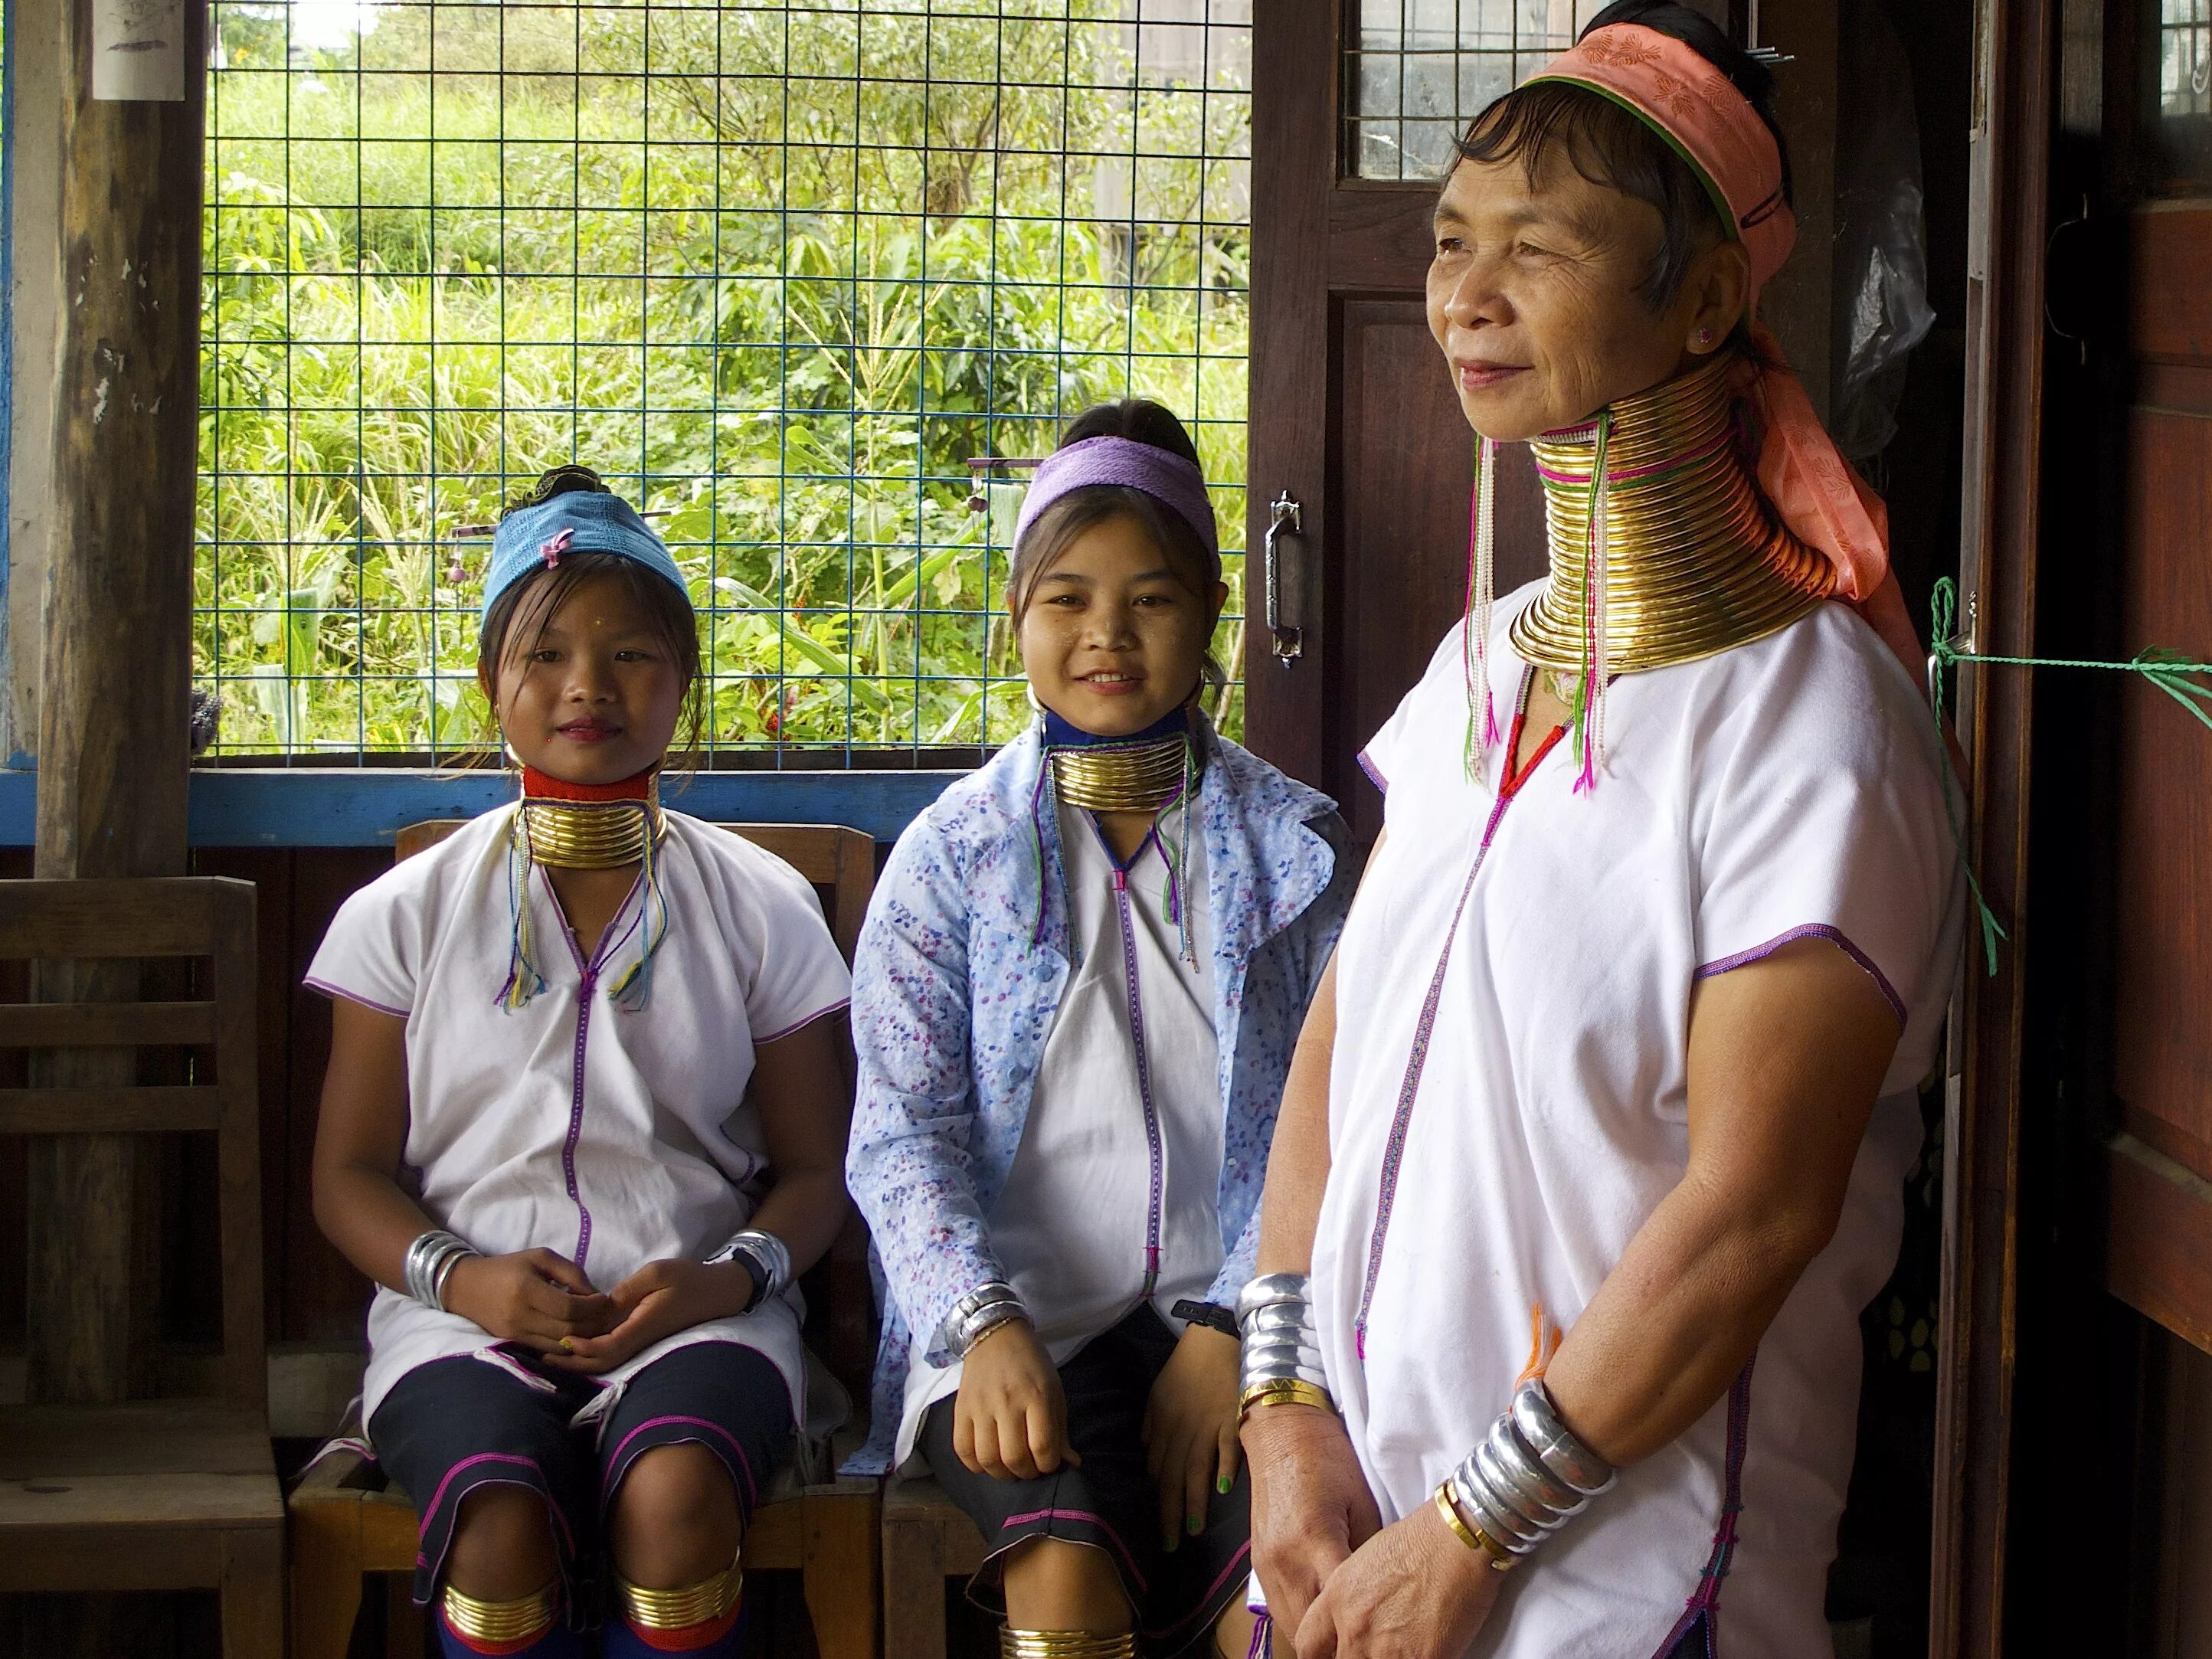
point(1284, 518)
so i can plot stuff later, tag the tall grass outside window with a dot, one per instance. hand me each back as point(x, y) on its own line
point(789, 276)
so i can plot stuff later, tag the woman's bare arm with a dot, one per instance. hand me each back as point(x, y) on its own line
point(359, 1136)
point(1297, 1159)
point(802, 1086)
point(1786, 1059)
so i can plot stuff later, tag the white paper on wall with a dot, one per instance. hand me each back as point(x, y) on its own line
point(139, 51)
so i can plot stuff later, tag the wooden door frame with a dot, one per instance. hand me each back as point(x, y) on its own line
point(2016, 65)
point(1319, 237)
point(1295, 88)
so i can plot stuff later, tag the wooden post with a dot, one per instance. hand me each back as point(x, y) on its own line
point(115, 677)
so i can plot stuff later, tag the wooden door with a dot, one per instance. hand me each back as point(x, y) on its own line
point(1353, 418)
point(2081, 1151)
point(2157, 191)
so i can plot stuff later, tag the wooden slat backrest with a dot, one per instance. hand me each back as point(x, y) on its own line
point(205, 917)
point(842, 860)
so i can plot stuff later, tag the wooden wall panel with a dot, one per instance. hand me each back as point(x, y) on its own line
point(2162, 1065)
point(1404, 490)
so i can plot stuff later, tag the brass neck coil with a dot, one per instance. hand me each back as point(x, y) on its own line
point(1143, 778)
point(568, 835)
point(1697, 563)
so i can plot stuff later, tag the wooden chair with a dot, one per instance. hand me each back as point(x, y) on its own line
point(152, 1494)
point(926, 1540)
point(346, 1520)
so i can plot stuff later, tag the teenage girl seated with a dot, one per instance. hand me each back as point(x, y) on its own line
point(572, 1045)
point(1074, 1003)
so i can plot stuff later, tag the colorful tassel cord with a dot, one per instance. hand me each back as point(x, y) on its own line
point(523, 981)
point(1482, 729)
point(633, 990)
point(1597, 665)
point(2170, 673)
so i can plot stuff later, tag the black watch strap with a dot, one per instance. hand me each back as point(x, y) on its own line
point(1211, 1314)
point(755, 1271)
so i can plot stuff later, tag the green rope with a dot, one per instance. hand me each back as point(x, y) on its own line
point(2168, 670)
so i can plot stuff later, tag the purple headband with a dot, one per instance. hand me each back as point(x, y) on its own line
point(1165, 477)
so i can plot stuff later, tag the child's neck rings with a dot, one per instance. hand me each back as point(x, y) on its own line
point(611, 829)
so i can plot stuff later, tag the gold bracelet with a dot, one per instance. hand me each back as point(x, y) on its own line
point(497, 1622)
point(1475, 1538)
point(1284, 1391)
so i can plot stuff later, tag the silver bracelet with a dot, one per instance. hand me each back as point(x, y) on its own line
point(765, 1251)
point(1280, 1343)
point(430, 1262)
point(977, 1314)
point(1528, 1477)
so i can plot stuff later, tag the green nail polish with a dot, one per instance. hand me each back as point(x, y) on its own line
point(1223, 1483)
point(1196, 1524)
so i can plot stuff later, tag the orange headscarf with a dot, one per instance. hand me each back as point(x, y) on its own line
point(1690, 103)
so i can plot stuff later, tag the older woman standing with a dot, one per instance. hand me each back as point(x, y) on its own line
point(1609, 1093)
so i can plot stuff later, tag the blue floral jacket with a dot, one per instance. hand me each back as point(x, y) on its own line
point(955, 986)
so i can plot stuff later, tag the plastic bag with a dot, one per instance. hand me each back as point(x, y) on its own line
point(1880, 295)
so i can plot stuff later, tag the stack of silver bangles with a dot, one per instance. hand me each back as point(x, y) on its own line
point(1280, 1345)
point(766, 1252)
point(977, 1314)
point(431, 1259)
point(1528, 1477)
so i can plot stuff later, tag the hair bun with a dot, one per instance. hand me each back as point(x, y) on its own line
point(1138, 419)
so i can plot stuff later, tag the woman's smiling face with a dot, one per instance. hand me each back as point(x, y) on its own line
point(1535, 295)
point(592, 696)
point(1111, 639)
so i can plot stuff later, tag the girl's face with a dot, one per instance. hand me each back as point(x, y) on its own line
point(1111, 639)
point(594, 696)
point(1534, 296)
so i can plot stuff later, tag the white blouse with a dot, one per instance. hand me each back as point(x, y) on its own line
point(1508, 1102)
point(611, 1137)
point(1119, 1170)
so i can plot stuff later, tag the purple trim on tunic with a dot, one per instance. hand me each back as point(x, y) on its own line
point(1374, 772)
point(1810, 930)
point(1704, 1602)
point(1153, 1143)
point(588, 976)
point(1238, 1563)
point(330, 990)
point(1394, 1151)
point(1088, 1520)
point(823, 1012)
point(618, 1467)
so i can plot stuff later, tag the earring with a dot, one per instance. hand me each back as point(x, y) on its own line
point(1036, 708)
point(1704, 337)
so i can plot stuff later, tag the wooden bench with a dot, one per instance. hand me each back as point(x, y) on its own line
point(346, 1520)
point(153, 1494)
point(926, 1539)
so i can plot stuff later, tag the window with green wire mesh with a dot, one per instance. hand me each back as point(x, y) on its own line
point(797, 279)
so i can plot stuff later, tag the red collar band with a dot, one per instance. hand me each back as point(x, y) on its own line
point(536, 786)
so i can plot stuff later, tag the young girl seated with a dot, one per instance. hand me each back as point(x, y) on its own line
point(1074, 1005)
point(571, 1045)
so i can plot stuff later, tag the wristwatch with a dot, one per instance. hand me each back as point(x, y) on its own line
point(1210, 1315)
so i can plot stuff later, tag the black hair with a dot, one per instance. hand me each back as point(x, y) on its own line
point(538, 596)
point(1141, 421)
point(1609, 146)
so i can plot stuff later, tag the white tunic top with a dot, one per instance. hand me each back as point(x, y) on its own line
point(1119, 1168)
point(1538, 960)
point(612, 1137)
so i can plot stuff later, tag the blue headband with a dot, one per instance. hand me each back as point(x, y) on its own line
point(581, 521)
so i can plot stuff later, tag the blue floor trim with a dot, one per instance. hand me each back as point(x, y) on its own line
point(303, 806)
